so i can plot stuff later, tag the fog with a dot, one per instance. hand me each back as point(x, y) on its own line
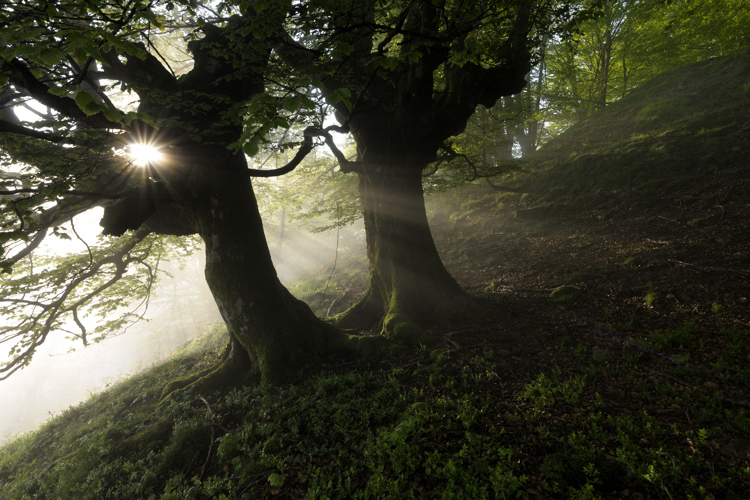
point(180, 309)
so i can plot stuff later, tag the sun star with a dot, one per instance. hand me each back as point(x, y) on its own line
point(144, 154)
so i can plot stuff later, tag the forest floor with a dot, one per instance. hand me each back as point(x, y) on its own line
point(612, 359)
point(651, 307)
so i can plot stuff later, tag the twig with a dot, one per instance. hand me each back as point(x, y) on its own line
point(211, 444)
point(210, 448)
point(667, 218)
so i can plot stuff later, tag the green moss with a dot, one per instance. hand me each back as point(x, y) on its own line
point(369, 347)
point(566, 293)
point(655, 298)
point(400, 327)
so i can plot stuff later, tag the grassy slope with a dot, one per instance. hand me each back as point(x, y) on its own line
point(631, 381)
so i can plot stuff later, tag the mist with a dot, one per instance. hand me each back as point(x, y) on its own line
point(181, 309)
point(64, 373)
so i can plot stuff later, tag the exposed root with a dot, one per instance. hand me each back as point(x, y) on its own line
point(366, 314)
point(233, 370)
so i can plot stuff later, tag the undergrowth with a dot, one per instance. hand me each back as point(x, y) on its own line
point(616, 409)
point(447, 423)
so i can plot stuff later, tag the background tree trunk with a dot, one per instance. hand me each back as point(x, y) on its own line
point(409, 284)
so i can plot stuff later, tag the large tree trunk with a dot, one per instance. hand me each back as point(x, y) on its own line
point(272, 334)
point(409, 285)
point(275, 329)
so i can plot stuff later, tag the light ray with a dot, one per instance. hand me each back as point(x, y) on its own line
point(144, 154)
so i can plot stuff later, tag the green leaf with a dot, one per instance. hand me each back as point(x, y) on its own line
point(291, 104)
point(6, 267)
point(82, 46)
point(147, 119)
point(339, 95)
point(250, 148)
point(13, 235)
point(113, 115)
point(414, 56)
point(60, 91)
point(307, 103)
point(281, 122)
point(85, 101)
point(51, 56)
point(276, 479)
point(129, 117)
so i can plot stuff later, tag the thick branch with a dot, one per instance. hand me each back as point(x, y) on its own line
point(345, 164)
point(144, 75)
point(310, 132)
point(12, 128)
point(23, 78)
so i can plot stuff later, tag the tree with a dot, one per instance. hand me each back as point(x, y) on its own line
point(70, 57)
point(404, 77)
point(629, 43)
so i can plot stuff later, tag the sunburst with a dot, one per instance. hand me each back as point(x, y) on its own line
point(144, 154)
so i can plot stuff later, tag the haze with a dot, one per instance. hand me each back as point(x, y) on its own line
point(181, 309)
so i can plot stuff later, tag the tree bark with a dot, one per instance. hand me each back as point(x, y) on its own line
point(275, 330)
point(409, 284)
point(272, 334)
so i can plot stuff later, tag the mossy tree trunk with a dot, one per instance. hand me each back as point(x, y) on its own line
point(415, 77)
point(409, 285)
point(275, 330)
point(272, 334)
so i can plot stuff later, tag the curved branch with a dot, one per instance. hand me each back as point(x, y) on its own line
point(345, 164)
point(22, 77)
point(48, 220)
point(12, 128)
point(303, 151)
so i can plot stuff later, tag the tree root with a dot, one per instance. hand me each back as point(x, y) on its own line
point(233, 370)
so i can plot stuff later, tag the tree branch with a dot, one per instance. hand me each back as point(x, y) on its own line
point(40, 325)
point(12, 128)
point(21, 77)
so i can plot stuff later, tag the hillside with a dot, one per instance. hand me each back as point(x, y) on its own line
point(608, 357)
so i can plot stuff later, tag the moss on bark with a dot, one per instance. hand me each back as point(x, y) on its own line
point(410, 289)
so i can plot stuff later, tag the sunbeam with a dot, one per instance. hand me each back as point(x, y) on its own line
point(144, 154)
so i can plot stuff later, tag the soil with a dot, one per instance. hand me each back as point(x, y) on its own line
point(605, 282)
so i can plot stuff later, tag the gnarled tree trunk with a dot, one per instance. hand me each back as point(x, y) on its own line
point(409, 284)
point(275, 329)
point(272, 334)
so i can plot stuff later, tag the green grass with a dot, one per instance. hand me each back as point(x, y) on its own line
point(438, 424)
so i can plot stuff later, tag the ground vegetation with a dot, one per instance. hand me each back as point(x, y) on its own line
point(611, 363)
